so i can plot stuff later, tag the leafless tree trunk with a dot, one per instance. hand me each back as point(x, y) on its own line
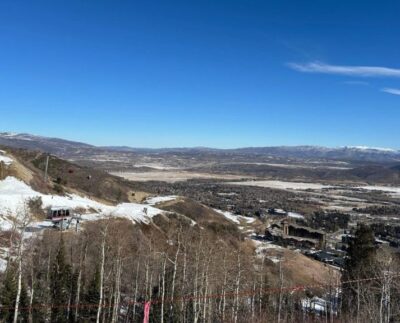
point(19, 283)
point(224, 289)
point(117, 293)
point(136, 291)
point(32, 293)
point(206, 287)
point(175, 263)
point(163, 289)
point(103, 256)
point(23, 219)
point(253, 297)
point(280, 290)
point(183, 289)
point(196, 282)
point(79, 282)
point(238, 277)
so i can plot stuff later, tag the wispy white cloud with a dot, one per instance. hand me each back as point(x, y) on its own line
point(391, 90)
point(356, 83)
point(360, 71)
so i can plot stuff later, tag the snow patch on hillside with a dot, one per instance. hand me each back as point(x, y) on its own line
point(295, 215)
point(394, 191)
point(160, 199)
point(262, 249)
point(137, 213)
point(3, 158)
point(235, 218)
point(13, 194)
point(3, 265)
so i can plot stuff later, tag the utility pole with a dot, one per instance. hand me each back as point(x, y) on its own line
point(46, 168)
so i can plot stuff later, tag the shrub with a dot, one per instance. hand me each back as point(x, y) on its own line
point(58, 188)
point(35, 205)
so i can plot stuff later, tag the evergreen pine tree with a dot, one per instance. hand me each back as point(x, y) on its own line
point(359, 264)
point(23, 305)
point(72, 294)
point(40, 296)
point(60, 286)
point(8, 295)
point(361, 251)
point(92, 296)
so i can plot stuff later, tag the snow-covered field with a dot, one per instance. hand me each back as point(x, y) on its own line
point(155, 166)
point(14, 193)
point(298, 166)
point(172, 176)
point(394, 191)
point(283, 185)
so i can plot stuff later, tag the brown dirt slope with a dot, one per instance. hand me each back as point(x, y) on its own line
point(65, 176)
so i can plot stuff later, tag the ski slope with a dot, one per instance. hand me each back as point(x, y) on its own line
point(14, 193)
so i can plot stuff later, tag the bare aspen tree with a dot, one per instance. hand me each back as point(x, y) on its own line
point(82, 260)
point(32, 292)
point(163, 288)
point(117, 288)
point(238, 277)
point(280, 290)
point(103, 232)
point(136, 292)
point(23, 219)
point(175, 264)
point(196, 282)
point(253, 297)
point(205, 282)
point(183, 288)
point(261, 286)
point(224, 288)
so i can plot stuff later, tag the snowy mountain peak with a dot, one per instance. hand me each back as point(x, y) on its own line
point(367, 148)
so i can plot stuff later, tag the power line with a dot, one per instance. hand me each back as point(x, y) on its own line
point(187, 298)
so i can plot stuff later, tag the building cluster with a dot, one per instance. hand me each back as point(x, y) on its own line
point(289, 233)
point(312, 242)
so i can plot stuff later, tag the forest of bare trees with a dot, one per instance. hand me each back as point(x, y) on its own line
point(109, 270)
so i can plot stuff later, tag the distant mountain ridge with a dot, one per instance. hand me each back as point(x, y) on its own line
point(69, 149)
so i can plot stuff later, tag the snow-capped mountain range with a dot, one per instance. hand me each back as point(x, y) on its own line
point(70, 149)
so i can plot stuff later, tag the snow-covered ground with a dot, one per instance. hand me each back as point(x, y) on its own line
point(303, 166)
point(3, 158)
point(155, 166)
point(160, 199)
point(295, 215)
point(283, 185)
point(13, 194)
point(137, 213)
point(3, 265)
point(394, 191)
point(235, 218)
point(227, 194)
point(263, 246)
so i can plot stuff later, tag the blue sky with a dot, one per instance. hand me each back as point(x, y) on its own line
point(202, 73)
